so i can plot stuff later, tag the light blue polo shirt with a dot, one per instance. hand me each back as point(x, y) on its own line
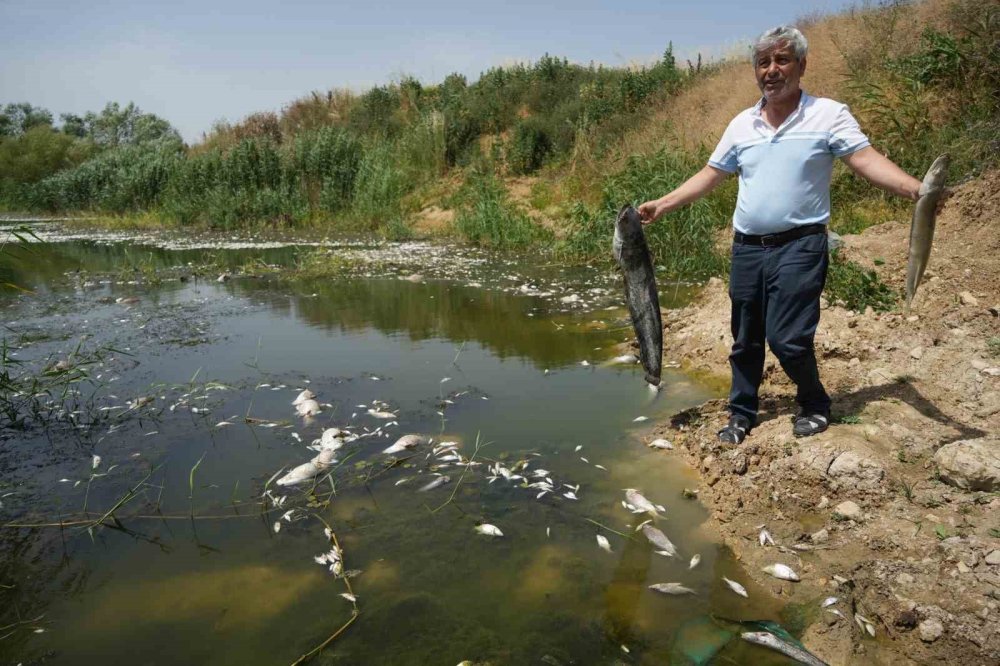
point(785, 173)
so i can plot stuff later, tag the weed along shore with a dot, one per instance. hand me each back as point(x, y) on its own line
point(354, 381)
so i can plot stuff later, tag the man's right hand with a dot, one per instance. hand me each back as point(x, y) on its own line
point(650, 211)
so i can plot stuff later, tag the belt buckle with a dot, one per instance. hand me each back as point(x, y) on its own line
point(767, 240)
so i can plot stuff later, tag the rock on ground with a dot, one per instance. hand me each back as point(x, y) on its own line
point(971, 464)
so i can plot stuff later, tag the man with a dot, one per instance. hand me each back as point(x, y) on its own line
point(783, 149)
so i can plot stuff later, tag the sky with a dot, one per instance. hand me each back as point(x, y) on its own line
point(194, 63)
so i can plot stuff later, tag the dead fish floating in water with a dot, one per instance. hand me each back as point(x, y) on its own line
point(769, 640)
point(659, 540)
point(307, 407)
point(661, 444)
point(671, 588)
point(381, 414)
point(782, 571)
point(302, 397)
point(602, 543)
point(694, 561)
point(436, 483)
point(309, 470)
point(489, 530)
point(632, 254)
point(736, 587)
point(636, 502)
point(922, 226)
point(407, 442)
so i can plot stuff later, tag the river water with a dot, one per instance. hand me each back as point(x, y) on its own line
point(182, 385)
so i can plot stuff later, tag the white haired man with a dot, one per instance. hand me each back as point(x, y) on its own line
point(783, 150)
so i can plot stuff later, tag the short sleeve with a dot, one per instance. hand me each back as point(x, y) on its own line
point(846, 136)
point(724, 155)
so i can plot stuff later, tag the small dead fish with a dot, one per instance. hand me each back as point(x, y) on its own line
point(695, 560)
point(836, 612)
point(736, 587)
point(865, 624)
point(659, 540)
point(602, 543)
point(661, 444)
point(406, 442)
point(641, 504)
point(569, 494)
point(489, 530)
point(380, 414)
point(765, 538)
point(640, 419)
point(769, 640)
point(350, 597)
point(829, 601)
point(671, 588)
point(301, 397)
point(95, 461)
point(436, 483)
point(782, 571)
point(625, 358)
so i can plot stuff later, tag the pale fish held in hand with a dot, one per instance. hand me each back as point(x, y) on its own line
point(736, 587)
point(671, 588)
point(782, 571)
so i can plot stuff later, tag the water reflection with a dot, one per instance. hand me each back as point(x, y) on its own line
point(224, 587)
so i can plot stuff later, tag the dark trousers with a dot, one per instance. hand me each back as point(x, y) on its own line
point(775, 297)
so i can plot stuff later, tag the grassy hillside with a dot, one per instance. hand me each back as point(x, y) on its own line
point(539, 154)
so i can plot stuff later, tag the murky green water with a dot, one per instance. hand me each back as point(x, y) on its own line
point(191, 570)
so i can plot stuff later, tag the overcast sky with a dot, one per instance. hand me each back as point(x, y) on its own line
point(194, 62)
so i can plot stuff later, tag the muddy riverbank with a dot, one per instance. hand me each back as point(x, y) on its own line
point(895, 509)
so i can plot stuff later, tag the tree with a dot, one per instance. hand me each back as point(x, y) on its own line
point(16, 119)
point(117, 126)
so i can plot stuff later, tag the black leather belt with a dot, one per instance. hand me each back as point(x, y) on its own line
point(772, 240)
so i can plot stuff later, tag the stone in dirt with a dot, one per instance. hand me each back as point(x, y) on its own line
point(852, 468)
point(848, 510)
point(993, 558)
point(968, 299)
point(930, 630)
point(971, 464)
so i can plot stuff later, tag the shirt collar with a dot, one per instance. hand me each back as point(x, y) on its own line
point(759, 106)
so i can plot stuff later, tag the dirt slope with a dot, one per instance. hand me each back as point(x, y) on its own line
point(918, 557)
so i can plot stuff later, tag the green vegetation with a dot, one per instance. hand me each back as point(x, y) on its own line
point(683, 245)
point(358, 160)
point(993, 346)
point(489, 218)
point(856, 287)
point(918, 100)
point(367, 163)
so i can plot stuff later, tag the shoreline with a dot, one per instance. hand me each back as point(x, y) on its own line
point(872, 511)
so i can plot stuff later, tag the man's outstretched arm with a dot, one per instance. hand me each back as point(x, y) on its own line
point(882, 172)
point(692, 189)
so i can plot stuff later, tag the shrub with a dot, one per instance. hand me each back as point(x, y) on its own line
point(488, 217)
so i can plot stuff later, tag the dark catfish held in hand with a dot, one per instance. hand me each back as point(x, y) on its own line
point(633, 257)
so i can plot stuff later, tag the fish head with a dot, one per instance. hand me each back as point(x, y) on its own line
point(936, 175)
